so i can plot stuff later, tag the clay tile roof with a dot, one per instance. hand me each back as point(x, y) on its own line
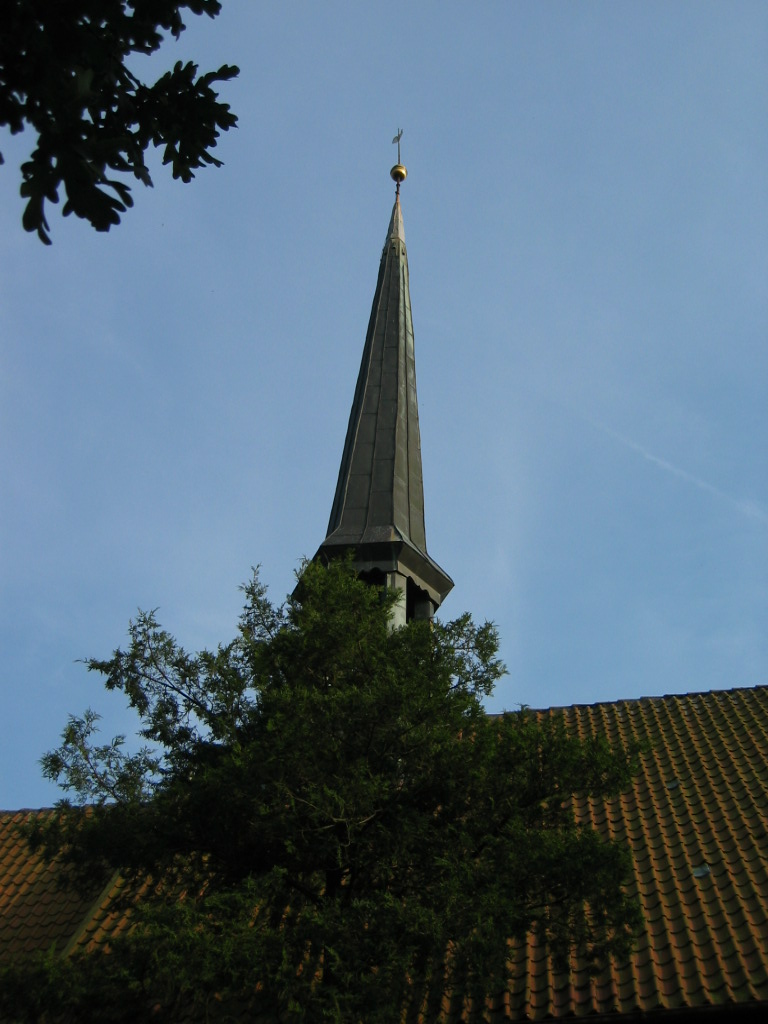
point(696, 819)
point(38, 910)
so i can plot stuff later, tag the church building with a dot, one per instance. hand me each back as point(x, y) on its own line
point(695, 816)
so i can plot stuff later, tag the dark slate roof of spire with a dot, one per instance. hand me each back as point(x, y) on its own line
point(380, 493)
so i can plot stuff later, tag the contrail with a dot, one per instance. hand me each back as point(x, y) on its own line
point(747, 508)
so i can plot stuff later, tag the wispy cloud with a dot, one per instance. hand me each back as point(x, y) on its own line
point(746, 507)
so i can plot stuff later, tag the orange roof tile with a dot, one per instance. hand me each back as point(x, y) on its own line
point(36, 912)
point(695, 817)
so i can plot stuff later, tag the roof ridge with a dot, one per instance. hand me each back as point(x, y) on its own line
point(691, 695)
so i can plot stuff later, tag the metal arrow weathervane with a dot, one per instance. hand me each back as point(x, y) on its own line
point(397, 140)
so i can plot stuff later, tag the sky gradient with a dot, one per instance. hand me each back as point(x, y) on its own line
point(586, 215)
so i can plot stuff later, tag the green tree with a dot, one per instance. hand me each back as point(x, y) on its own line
point(334, 828)
point(66, 72)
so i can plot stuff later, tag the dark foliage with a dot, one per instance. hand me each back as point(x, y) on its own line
point(334, 828)
point(66, 73)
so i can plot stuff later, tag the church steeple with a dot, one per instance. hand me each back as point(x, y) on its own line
point(378, 509)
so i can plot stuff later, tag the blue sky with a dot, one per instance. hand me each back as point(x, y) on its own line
point(586, 215)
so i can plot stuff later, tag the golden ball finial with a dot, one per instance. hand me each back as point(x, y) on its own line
point(398, 173)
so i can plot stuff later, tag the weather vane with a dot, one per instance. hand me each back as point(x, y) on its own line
point(398, 172)
point(397, 140)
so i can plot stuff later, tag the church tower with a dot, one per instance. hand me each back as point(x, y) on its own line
point(378, 509)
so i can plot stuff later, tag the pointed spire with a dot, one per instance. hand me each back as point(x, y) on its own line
point(378, 509)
